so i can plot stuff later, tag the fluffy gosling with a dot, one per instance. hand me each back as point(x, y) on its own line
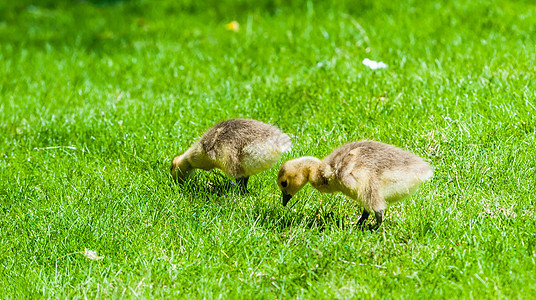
point(238, 147)
point(372, 173)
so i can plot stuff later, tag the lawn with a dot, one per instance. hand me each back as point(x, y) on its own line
point(96, 97)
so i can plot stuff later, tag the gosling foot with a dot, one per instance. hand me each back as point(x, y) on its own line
point(363, 219)
point(379, 220)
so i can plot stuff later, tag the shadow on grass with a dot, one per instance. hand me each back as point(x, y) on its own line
point(212, 189)
point(212, 185)
point(283, 219)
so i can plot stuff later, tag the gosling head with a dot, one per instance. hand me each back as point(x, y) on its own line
point(293, 176)
point(179, 169)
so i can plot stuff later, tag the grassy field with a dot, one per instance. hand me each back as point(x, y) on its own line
point(96, 97)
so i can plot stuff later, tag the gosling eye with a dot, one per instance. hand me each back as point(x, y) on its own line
point(284, 183)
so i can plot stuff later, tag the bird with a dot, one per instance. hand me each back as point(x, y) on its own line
point(372, 173)
point(238, 147)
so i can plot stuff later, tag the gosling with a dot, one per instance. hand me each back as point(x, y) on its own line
point(372, 173)
point(238, 147)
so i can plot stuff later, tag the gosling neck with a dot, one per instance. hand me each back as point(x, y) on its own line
point(311, 166)
point(184, 163)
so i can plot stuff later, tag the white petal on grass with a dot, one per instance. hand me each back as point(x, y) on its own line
point(90, 254)
point(374, 65)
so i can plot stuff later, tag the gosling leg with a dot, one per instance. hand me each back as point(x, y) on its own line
point(363, 218)
point(229, 185)
point(242, 184)
point(379, 220)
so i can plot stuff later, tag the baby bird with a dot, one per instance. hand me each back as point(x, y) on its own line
point(372, 173)
point(238, 147)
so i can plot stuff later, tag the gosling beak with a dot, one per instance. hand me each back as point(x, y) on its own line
point(174, 174)
point(286, 197)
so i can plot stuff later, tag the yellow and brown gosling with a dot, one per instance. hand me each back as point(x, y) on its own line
point(238, 147)
point(372, 173)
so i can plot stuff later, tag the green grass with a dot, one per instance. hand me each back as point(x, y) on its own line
point(128, 85)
